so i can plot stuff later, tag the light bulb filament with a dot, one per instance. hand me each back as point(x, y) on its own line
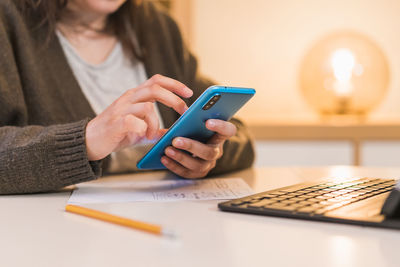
point(343, 63)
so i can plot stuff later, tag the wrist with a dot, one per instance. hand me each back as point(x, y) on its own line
point(91, 152)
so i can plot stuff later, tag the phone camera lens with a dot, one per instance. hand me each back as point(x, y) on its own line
point(211, 102)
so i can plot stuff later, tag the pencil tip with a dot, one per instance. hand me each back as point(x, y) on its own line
point(169, 233)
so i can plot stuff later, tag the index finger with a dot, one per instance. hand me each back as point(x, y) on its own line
point(160, 94)
point(169, 84)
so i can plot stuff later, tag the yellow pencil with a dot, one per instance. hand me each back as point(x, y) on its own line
point(151, 228)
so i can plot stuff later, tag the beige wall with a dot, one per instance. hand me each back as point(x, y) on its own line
point(260, 43)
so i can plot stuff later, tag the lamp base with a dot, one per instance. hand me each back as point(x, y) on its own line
point(343, 118)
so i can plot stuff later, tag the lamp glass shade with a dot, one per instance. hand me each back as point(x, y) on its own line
point(344, 73)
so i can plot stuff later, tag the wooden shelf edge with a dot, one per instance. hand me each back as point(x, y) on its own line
point(325, 132)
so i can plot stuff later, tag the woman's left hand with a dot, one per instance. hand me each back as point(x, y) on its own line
point(202, 157)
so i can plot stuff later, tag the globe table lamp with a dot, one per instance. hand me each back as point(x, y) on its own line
point(345, 73)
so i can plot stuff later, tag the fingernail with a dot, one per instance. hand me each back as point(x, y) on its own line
point(190, 91)
point(170, 152)
point(211, 123)
point(164, 161)
point(178, 142)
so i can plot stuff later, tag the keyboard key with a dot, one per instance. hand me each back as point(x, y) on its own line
point(246, 199)
point(269, 195)
point(306, 209)
point(319, 186)
point(363, 190)
point(302, 197)
point(327, 190)
point(326, 203)
point(238, 202)
point(276, 193)
point(313, 200)
point(330, 195)
point(276, 205)
point(334, 200)
point(317, 205)
point(257, 197)
point(279, 198)
point(306, 202)
point(314, 194)
point(345, 197)
point(297, 205)
point(319, 211)
point(288, 201)
point(344, 191)
point(302, 191)
point(286, 191)
point(261, 203)
point(297, 199)
point(291, 195)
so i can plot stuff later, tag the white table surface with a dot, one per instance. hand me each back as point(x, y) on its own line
point(36, 231)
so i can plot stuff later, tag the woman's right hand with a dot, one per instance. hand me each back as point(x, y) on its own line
point(132, 116)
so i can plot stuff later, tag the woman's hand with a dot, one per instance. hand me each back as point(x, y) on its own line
point(202, 157)
point(132, 116)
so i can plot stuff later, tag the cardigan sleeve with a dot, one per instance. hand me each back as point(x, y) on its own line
point(34, 158)
point(38, 159)
point(239, 149)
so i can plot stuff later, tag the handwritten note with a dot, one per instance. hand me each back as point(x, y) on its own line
point(164, 190)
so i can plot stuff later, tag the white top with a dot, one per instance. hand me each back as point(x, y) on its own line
point(105, 82)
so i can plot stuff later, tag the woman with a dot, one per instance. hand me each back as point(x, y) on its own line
point(65, 72)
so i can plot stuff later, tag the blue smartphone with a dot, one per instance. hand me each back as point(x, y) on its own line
point(217, 102)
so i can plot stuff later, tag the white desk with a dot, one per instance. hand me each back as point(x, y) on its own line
point(35, 231)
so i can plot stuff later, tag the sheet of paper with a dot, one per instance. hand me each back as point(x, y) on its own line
point(164, 190)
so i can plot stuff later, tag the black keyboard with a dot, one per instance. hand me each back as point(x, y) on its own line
point(310, 199)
